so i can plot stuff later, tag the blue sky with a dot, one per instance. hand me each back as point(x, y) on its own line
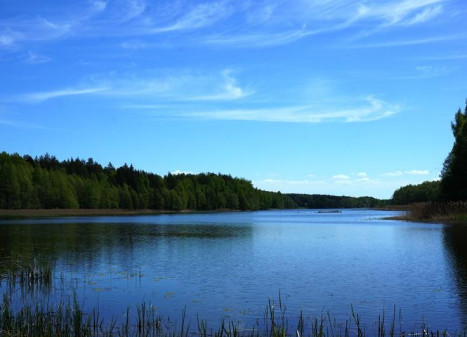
point(325, 96)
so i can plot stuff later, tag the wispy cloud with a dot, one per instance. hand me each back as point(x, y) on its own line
point(219, 22)
point(340, 177)
point(34, 58)
point(339, 184)
point(175, 86)
point(392, 174)
point(200, 16)
point(171, 87)
point(418, 172)
point(374, 109)
point(46, 95)
point(8, 38)
point(259, 39)
point(407, 42)
point(425, 15)
point(228, 89)
point(409, 172)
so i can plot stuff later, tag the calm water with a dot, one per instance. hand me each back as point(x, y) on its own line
point(230, 264)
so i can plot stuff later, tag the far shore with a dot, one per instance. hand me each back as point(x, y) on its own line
point(57, 212)
point(415, 212)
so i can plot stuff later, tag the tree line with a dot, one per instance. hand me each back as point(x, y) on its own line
point(333, 201)
point(46, 182)
point(453, 183)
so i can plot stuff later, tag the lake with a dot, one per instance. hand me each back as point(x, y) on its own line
point(229, 264)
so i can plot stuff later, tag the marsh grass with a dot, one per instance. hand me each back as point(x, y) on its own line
point(447, 211)
point(68, 319)
point(30, 275)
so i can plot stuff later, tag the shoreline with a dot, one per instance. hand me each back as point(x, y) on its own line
point(431, 213)
point(64, 212)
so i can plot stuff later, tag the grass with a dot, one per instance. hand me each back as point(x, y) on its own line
point(68, 319)
point(451, 211)
point(30, 275)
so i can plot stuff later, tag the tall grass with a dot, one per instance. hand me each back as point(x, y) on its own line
point(29, 275)
point(449, 210)
point(38, 317)
point(68, 319)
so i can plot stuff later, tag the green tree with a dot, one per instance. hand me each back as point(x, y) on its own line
point(454, 173)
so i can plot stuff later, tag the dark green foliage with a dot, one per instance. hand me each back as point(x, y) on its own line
point(454, 173)
point(429, 191)
point(45, 182)
point(332, 201)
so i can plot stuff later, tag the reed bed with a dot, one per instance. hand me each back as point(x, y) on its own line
point(437, 211)
point(29, 275)
point(68, 319)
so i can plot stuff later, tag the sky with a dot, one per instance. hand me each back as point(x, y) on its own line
point(301, 96)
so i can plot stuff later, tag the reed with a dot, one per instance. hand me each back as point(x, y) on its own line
point(450, 211)
point(31, 275)
point(68, 319)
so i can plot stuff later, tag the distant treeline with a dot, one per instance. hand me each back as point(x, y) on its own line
point(45, 182)
point(332, 201)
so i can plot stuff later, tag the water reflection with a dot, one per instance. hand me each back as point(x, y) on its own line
point(82, 241)
point(455, 241)
point(230, 264)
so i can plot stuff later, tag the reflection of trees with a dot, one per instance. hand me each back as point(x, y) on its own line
point(455, 237)
point(86, 243)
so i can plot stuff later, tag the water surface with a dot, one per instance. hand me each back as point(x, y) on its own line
point(230, 264)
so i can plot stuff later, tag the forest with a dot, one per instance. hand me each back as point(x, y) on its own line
point(333, 201)
point(45, 182)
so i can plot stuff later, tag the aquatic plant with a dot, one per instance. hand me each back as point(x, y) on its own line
point(68, 319)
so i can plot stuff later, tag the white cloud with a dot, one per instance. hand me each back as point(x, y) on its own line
point(177, 172)
point(329, 185)
point(46, 95)
point(290, 185)
point(425, 15)
point(134, 8)
point(181, 86)
point(418, 172)
point(340, 177)
point(223, 22)
point(355, 184)
point(228, 89)
point(410, 172)
point(362, 177)
point(408, 42)
point(402, 12)
point(374, 109)
point(392, 174)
